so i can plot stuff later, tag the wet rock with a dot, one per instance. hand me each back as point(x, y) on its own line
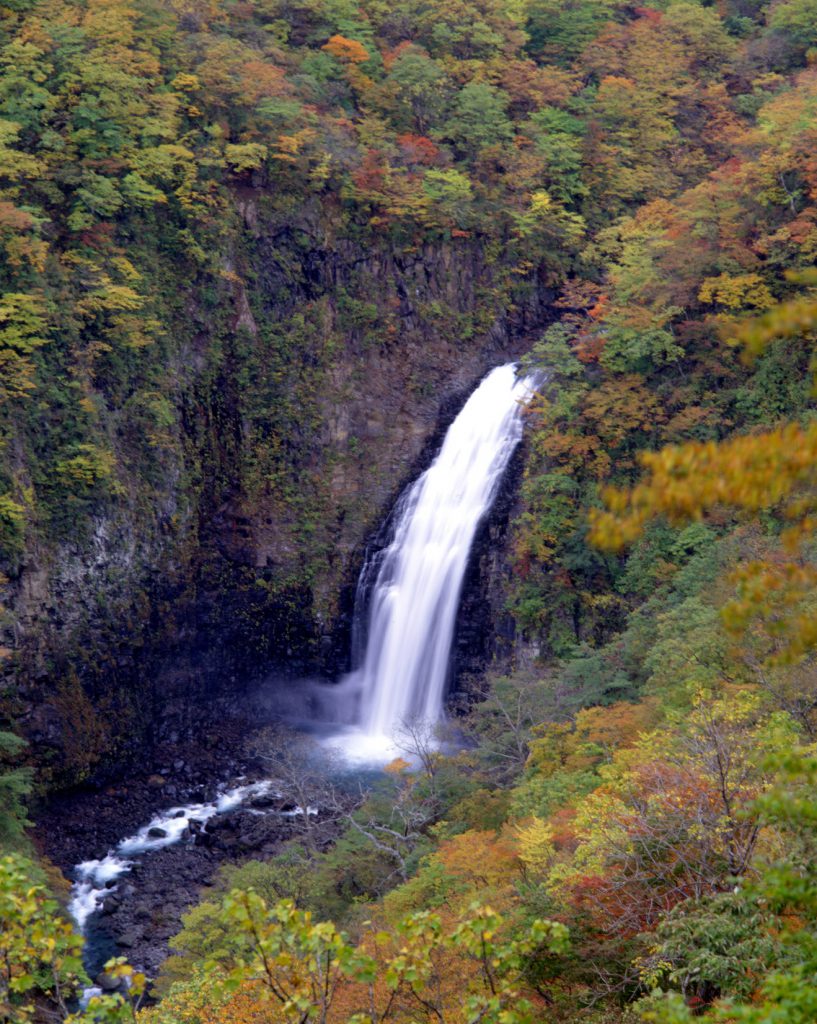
point(157, 833)
point(265, 801)
point(190, 832)
point(146, 907)
point(224, 822)
point(108, 983)
point(156, 781)
point(110, 904)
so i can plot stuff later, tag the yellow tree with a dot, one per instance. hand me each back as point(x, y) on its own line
point(772, 470)
point(288, 969)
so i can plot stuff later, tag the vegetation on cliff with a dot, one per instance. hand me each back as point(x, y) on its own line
point(653, 168)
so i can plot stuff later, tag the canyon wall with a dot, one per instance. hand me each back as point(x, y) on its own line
point(310, 382)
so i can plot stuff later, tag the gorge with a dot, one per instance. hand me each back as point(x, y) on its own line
point(405, 610)
point(430, 384)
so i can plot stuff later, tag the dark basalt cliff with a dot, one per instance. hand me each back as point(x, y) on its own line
point(311, 383)
point(485, 636)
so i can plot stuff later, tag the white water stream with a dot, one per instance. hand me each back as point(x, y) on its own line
point(418, 578)
point(93, 878)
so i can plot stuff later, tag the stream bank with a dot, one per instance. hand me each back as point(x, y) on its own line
point(88, 821)
point(144, 903)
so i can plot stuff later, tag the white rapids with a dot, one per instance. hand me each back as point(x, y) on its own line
point(93, 877)
point(418, 578)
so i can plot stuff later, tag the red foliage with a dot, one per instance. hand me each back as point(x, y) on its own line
point(564, 833)
point(390, 56)
point(370, 176)
point(418, 149)
point(99, 236)
point(588, 346)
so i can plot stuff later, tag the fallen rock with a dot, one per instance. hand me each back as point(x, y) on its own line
point(224, 822)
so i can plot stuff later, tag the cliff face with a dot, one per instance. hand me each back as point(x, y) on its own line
point(485, 636)
point(309, 383)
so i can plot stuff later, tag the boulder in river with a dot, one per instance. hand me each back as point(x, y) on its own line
point(265, 801)
point(107, 982)
point(110, 904)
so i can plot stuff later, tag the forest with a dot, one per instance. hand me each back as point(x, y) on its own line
point(255, 256)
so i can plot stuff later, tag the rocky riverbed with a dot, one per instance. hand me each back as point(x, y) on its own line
point(144, 907)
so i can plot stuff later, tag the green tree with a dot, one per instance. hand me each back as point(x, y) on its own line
point(23, 330)
point(560, 31)
point(796, 21)
point(717, 946)
point(431, 972)
point(451, 195)
point(418, 86)
point(40, 954)
point(479, 119)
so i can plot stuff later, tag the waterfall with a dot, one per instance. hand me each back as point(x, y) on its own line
point(406, 607)
point(413, 586)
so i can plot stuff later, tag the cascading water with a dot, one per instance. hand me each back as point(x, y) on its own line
point(95, 880)
point(412, 589)
point(413, 601)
